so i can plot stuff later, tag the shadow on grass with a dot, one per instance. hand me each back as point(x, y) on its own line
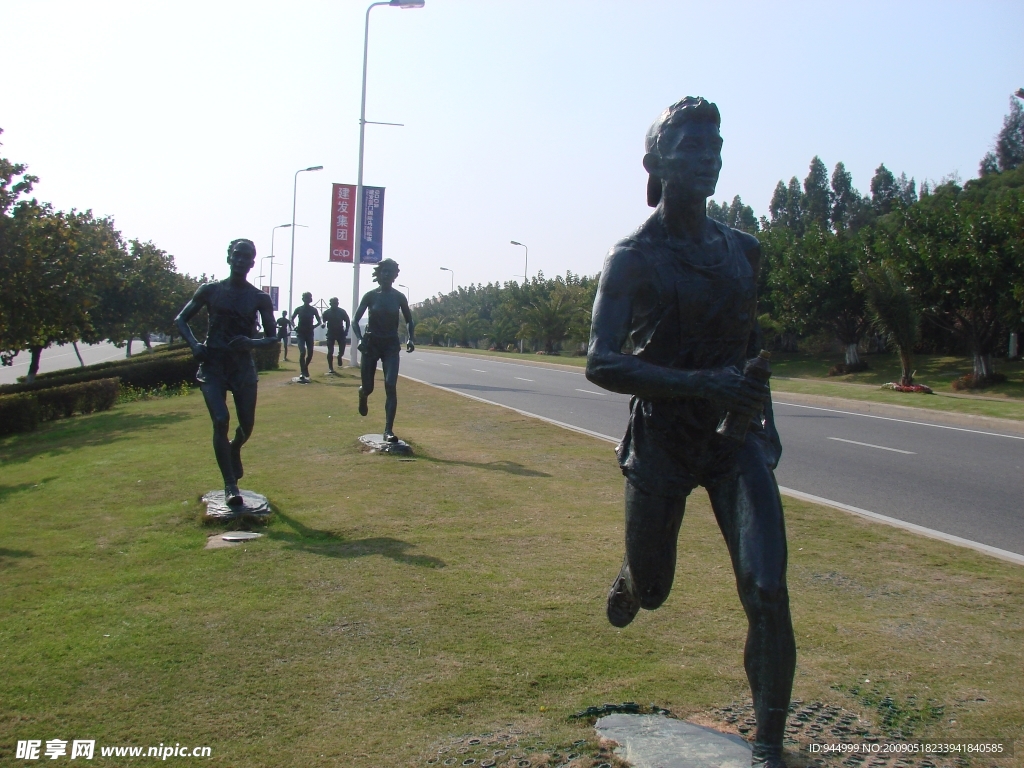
point(511, 467)
point(57, 438)
point(9, 554)
point(7, 490)
point(305, 539)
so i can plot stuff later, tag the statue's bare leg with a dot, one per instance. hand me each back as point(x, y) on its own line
point(390, 364)
point(245, 408)
point(367, 371)
point(652, 530)
point(749, 512)
point(216, 402)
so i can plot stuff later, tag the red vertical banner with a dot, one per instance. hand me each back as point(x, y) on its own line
point(343, 216)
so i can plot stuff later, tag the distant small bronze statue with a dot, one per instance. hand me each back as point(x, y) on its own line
point(381, 342)
point(336, 320)
point(683, 290)
point(307, 314)
point(226, 362)
point(284, 327)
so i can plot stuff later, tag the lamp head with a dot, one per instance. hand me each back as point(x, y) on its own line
point(407, 3)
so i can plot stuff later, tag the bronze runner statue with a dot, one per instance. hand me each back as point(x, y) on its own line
point(381, 342)
point(225, 359)
point(682, 291)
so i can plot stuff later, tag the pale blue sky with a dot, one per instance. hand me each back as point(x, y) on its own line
point(524, 120)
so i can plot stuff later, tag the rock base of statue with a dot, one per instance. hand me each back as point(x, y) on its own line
point(254, 505)
point(377, 444)
point(656, 741)
point(300, 380)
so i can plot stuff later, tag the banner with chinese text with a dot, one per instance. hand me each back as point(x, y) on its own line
point(343, 214)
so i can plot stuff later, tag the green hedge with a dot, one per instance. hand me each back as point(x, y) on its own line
point(178, 348)
point(268, 358)
point(144, 372)
point(22, 412)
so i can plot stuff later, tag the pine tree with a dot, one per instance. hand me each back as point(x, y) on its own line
point(816, 202)
point(884, 190)
point(1010, 141)
point(844, 198)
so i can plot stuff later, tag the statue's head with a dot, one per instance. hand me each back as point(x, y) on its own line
point(684, 146)
point(307, 297)
point(334, 302)
point(284, 313)
point(241, 255)
point(386, 272)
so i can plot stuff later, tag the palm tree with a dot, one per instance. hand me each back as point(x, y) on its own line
point(432, 328)
point(467, 328)
point(550, 319)
point(894, 313)
point(502, 331)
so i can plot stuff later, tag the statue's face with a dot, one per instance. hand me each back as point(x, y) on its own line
point(386, 277)
point(689, 155)
point(241, 259)
point(334, 302)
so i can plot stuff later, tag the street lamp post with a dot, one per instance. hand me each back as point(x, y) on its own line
point(526, 264)
point(272, 233)
point(359, 176)
point(526, 272)
point(295, 189)
point(445, 269)
point(408, 295)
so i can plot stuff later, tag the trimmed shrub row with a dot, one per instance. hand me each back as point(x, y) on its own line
point(178, 348)
point(145, 372)
point(23, 412)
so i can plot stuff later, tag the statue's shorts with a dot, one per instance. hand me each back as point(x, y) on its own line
point(229, 372)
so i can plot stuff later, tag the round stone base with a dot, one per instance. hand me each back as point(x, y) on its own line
point(253, 505)
point(377, 444)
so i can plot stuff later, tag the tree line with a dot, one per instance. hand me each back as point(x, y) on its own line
point(937, 269)
point(70, 276)
point(539, 314)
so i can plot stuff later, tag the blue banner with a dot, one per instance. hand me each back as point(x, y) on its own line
point(373, 225)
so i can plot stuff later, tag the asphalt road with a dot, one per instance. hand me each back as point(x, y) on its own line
point(925, 470)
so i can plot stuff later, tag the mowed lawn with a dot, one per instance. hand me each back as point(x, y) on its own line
point(393, 604)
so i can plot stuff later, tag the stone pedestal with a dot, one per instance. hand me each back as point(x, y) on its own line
point(655, 741)
point(376, 444)
point(254, 505)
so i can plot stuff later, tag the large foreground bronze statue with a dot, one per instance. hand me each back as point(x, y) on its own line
point(225, 358)
point(681, 291)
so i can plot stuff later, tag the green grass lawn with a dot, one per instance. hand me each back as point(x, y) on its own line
point(393, 605)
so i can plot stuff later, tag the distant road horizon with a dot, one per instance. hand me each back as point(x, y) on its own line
point(61, 356)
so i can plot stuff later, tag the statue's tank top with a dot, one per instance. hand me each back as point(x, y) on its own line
point(232, 313)
point(690, 316)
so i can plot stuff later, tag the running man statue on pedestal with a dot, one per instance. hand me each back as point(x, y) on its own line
point(307, 314)
point(683, 290)
point(226, 362)
point(336, 320)
point(381, 342)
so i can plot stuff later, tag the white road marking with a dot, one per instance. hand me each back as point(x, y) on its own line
point(522, 379)
point(477, 370)
point(446, 364)
point(535, 366)
point(872, 445)
point(592, 392)
point(902, 421)
point(1002, 554)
